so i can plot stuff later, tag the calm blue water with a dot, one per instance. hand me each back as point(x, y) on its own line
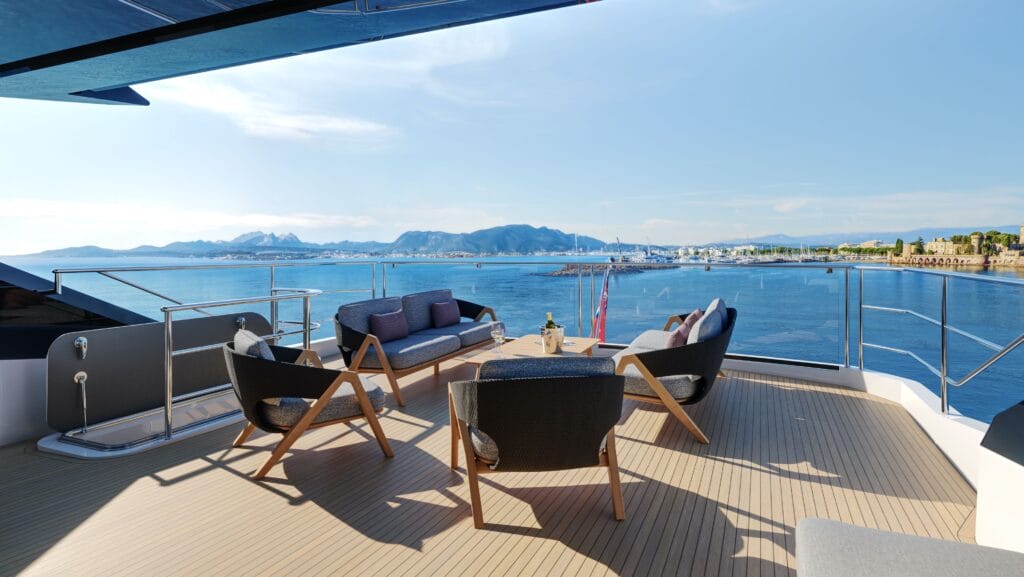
point(795, 313)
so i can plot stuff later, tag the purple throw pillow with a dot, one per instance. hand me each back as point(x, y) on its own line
point(389, 326)
point(445, 314)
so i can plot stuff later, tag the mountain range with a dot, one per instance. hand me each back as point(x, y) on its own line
point(509, 239)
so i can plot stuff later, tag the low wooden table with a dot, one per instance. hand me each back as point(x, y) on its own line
point(530, 347)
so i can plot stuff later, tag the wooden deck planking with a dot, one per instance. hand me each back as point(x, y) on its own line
point(780, 450)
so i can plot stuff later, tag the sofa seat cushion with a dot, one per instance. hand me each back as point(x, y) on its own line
point(833, 549)
point(412, 350)
point(417, 308)
point(681, 387)
point(469, 333)
point(343, 404)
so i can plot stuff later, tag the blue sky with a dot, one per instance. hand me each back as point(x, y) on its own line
point(669, 120)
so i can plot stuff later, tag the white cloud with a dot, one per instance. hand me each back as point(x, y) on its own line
point(260, 115)
point(254, 98)
point(791, 205)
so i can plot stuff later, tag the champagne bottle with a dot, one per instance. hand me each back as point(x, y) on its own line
point(551, 323)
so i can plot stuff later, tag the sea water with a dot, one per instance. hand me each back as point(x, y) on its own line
point(793, 312)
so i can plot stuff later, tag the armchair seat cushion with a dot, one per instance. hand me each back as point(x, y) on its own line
point(412, 350)
point(469, 333)
point(343, 404)
point(650, 340)
point(681, 387)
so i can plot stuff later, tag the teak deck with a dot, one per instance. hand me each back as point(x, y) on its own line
point(780, 450)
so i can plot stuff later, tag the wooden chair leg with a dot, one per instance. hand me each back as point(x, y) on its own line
point(454, 426)
point(678, 412)
point(369, 413)
point(474, 482)
point(244, 435)
point(618, 509)
point(666, 399)
point(437, 370)
point(393, 381)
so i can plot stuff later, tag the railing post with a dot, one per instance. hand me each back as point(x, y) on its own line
point(944, 397)
point(58, 282)
point(579, 299)
point(592, 303)
point(273, 304)
point(373, 280)
point(383, 280)
point(846, 318)
point(168, 373)
point(860, 319)
point(305, 323)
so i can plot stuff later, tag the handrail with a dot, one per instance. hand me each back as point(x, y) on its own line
point(944, 328)
point(145, 289)
point(591, 267)
point(983, 342)
point(169, 352)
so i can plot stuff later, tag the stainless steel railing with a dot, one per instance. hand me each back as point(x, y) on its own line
point(272, 268)
point(169, 351)
point(942, 372)
point(592, 269)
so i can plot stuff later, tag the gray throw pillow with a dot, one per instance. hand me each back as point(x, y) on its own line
point(247, 342)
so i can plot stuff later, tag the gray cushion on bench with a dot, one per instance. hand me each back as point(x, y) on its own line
point(412, 350)
point(469, 333)
point(357, 315)
point(343, 404)
point(417, 308)
point(833, 549)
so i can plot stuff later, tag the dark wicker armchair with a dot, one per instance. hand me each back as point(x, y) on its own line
point(273, 395)
point(675, 376)
point(543, 414)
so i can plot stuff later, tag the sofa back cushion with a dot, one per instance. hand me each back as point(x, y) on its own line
point(444, 314)
point(711, 324)
point(389, 326)
point(357, 315)
point(417, 308)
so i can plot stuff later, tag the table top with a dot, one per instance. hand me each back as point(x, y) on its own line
point(529, 347)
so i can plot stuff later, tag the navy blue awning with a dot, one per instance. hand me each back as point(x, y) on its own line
point(93, 50)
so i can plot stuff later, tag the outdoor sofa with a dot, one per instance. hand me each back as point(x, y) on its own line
point(397, 336)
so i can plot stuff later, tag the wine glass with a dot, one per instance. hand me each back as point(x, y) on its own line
point(498, 334)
